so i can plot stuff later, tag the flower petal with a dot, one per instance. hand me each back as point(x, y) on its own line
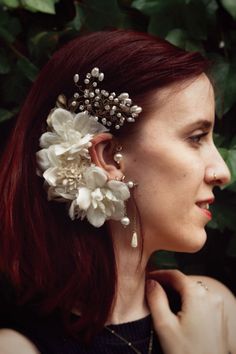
point(86, 124)
point(84, 198)
point(50, 175)
point(48, 139)
point(42, 159)
point(96, 217)
point(95, 177)
point(59, 119)
point(120, 189)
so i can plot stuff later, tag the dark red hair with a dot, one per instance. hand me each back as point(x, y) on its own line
point(68, 264)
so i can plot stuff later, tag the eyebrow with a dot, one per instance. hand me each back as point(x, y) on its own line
point(201, 123)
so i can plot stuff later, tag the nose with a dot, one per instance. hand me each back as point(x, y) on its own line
point(217, 172)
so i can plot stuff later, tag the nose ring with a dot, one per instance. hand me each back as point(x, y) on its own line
point(214, 176)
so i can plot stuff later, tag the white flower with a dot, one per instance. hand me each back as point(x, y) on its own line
point(65, 164)
point(100, 199)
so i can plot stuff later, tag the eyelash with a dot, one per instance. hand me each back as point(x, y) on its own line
point(196, 139)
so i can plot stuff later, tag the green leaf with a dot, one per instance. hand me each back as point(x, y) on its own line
point(148, 7)
point(160, 25)
point(46, 6)
point(180, 38)
point(176, 14)
point(233, 143)
point(79, 18)
point(42, 44)
point(177, 37)
point(27, 68)
point(10, 26)
point(6, 115)
point(164, 260)
point(6, 36)
point(230, 88)
point(224, 215)
point(218, 140)
point(229, 156)
point(194, 19)
point(231, 163)
point(194, 46)
point(230, 6)
point(232, 187)
point(220, 72)
point(10, 3)
point(105, 13)
point(4, 62)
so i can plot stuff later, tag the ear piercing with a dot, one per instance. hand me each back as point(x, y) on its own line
point(125, 221)
point(118, 156)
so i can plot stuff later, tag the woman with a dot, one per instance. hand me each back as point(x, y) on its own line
point(128, 153)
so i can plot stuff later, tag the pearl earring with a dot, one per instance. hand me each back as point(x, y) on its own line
point(118, 156)
point(134, 239)
point(125, 221)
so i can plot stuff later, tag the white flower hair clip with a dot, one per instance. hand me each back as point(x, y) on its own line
point(65, 163)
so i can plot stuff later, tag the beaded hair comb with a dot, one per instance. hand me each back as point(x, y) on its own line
point(107, 108)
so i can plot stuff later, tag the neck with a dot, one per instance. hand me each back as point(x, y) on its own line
point(129, 304)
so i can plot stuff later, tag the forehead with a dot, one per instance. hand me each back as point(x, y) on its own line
point(183, 104)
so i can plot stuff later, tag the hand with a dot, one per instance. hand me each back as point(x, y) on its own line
point(199, 327)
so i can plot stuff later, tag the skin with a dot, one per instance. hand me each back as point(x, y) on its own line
point(174, 166)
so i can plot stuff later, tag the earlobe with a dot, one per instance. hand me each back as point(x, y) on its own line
point(102, 152)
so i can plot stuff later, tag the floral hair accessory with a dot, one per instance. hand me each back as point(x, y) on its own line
point(110, 109)
point(70, 176)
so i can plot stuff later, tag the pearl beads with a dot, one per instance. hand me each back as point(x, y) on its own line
point(118, 157)
point(130, 184)
point(134, 241)
point(125, 221)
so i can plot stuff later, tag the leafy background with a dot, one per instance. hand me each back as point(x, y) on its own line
point(31, 30)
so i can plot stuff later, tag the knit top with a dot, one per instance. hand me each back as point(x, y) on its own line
point(49, 338)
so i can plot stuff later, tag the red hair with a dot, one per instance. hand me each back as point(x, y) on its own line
point(69, 264)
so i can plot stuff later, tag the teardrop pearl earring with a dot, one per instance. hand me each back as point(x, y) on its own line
point(134, 239)
point(125, 221)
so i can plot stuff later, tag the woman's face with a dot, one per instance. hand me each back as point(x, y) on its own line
point(173, 159)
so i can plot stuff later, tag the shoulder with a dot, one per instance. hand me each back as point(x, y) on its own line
point(229, 301)
point(12, 342)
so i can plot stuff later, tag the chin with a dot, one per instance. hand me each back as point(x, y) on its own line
point(196, 243)
point(191, 244)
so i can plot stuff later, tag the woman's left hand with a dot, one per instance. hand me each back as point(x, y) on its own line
point(200, 325)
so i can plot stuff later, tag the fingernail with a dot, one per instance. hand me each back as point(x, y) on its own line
point(150, 285)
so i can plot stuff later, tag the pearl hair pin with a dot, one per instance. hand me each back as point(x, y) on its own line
point(108, 108)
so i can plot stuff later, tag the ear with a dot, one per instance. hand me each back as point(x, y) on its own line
point(102, 152)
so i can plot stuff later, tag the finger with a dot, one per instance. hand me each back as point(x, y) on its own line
point(182, 284)
point(173, 278)
point(158, 304)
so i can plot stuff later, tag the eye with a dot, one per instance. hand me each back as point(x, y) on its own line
point(196, 139)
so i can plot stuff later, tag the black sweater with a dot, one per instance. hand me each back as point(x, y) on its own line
point(49, 338)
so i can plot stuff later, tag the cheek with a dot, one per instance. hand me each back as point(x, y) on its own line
point(168, 190)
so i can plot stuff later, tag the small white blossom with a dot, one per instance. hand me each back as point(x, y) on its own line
point(65, 164)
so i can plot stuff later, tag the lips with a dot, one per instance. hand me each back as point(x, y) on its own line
point(204, 206)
